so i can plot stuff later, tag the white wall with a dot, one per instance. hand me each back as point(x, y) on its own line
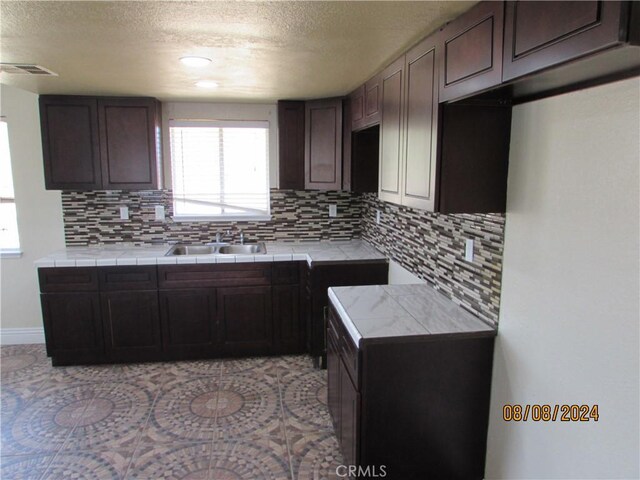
point(39, 212)
point(569, 317)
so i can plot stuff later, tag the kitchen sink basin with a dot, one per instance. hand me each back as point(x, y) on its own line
point(191, 250)
point(247, 249)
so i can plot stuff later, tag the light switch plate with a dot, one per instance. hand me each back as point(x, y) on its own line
point(468, 250)
point(333, 210)
point(124, 213)
point(160, 213)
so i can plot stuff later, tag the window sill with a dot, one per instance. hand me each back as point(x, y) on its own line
point(221, 218)
point(10, 253)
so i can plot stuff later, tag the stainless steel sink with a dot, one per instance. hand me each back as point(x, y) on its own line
point(247, 249)
point(191, 250)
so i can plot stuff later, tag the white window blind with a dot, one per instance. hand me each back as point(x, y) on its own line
point(219, 169)
point(9, 239)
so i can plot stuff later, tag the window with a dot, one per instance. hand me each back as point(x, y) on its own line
point(220, 169)
point(9, 241)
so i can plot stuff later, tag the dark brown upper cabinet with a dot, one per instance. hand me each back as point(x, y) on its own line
point(410, 128)
point(356, 108)
point(291, 144)
point(129, 143)
point(365, 104)
point(539, 35)
point(70, 145)
point(323, 144)
point(392, 131)
point(92, 143)
point(471, 53)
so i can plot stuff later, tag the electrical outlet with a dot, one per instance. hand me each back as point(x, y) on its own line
point(160, 213)
point(124, 213)
point(378, 216)
point(468, 250)
point(333, 210)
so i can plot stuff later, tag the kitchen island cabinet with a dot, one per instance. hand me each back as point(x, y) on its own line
point(409, 379)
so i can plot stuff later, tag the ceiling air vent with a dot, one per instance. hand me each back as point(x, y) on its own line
point(25, 69)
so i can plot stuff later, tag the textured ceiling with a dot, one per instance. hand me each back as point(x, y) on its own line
point(261, 51)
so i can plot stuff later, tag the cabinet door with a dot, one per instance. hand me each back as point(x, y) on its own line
point(244, 316)
point(72, 325)
point(471, 55)
point(372, 101)
point(131, 325)
point(391, 131)
point(291, 144)
point(189, 324)
point(323, 144)
point(129, 142)
point(287, 320)
point(333, 382)
point(349, 433)
point(356, 104)
point(419, 174)
point(70, 147)
point(542, 34)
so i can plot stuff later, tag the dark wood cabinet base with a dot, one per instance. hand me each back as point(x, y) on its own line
point(171, 312)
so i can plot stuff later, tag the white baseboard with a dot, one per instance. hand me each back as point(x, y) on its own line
point(20, 336)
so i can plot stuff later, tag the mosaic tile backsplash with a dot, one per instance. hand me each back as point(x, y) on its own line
point(429, 245)
point(93, 217)
point(432, 245)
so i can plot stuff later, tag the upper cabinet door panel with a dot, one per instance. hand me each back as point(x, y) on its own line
point(542, 34)
point(471, 56)
point(291, 144)
point(356, 103)
point(421, 127)
point(372, 101)
point(391, 127)
point(70, 142)
point(128, 143)
point(323, 144)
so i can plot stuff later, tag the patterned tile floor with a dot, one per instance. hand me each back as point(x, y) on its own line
point(258, 418)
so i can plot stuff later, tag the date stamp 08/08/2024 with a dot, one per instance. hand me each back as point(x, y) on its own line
point(550, 413)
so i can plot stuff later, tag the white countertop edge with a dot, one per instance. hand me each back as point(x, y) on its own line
point(346, 320)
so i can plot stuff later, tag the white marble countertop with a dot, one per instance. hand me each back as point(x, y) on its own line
point(383, 311)
point(311, 252)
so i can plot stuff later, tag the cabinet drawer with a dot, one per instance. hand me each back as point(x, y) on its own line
point(286, 273)
point(220, 275)
point(128, 278)
point(68, 279)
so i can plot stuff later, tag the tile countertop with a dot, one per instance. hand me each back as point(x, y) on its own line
point(384, 311)
point(312, 252)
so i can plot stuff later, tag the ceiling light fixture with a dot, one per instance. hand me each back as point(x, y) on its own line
point(207, 84)
point(195, 61)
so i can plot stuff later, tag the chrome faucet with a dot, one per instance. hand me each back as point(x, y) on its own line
point(241, 237)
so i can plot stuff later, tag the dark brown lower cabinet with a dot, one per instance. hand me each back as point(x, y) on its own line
point(131, 322)
point(319, 278)
point(287, 314)
point(415, 408)
point(72, 327)
point(244, 317)
point(189, 322)
point(349, 417)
